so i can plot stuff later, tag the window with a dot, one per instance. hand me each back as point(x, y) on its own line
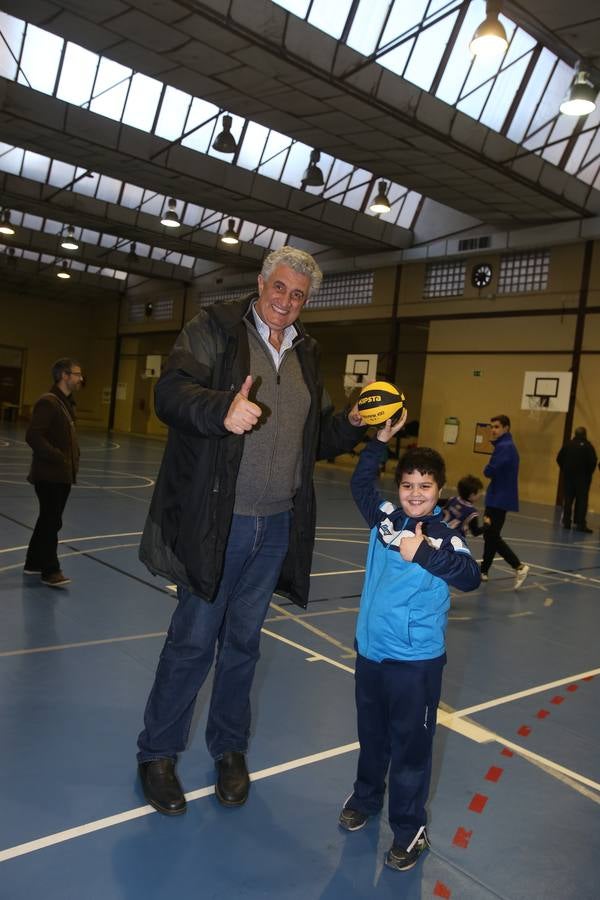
point(353, 289)
point(522, 272)
point(444, 279)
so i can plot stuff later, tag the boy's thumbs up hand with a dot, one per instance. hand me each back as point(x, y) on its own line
point(410, 544)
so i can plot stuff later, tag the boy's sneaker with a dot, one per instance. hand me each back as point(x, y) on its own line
point(400, 859)
point(56, 580)
point(352, 819)
point(30, 570)
point(485, 576)
point(520, 575)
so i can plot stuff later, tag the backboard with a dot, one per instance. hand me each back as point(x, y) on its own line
point(546, 391)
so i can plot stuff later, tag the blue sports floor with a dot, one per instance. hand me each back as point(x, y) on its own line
point(514, 806)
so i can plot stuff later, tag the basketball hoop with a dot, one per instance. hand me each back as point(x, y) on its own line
point(536, 405)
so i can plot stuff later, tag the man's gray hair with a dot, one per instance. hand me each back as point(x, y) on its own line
point(298, 260)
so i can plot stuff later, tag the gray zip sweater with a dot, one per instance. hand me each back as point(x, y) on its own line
point(269, 473)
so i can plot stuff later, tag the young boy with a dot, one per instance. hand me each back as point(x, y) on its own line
point(460, 512)
point(412, 558)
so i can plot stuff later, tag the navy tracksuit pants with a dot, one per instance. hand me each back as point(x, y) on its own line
point(396, 703)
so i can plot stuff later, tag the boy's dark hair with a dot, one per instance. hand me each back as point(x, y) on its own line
point(504, 421)
point(62, 365)
point(468, 486)
point(424, 460)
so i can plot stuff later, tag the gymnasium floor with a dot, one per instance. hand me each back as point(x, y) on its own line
point(516, 789)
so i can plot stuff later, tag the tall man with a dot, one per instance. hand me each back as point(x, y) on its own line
point(51, 435)
point(232, 517)
point(502, 496)
point(577, 461)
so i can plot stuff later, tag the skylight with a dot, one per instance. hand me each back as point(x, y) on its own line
point(518, 95)
point(61, 174)
point(110, 89)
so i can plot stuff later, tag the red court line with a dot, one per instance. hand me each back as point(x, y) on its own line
point(478, 802)
point(462, 837)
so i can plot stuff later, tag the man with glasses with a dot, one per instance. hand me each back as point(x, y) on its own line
point(232, 516)
point(52, 437)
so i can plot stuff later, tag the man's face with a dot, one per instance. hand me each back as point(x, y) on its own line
point(281, 297)
point(418, 493)
point(73, 378)
point(497, 429)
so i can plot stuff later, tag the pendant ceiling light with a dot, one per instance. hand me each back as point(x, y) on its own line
point(68, 242)
point(170, 218)
point(230, 236)
point(581, 96)
point(490, 38)
point(225, 141)
point(381, 204)
point(5, 226)
point(63, 272)
point(313, 177)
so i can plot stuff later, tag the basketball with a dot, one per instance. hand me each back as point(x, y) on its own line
point(379, 402)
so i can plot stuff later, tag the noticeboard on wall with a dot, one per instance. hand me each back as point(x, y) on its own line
point(482, 442)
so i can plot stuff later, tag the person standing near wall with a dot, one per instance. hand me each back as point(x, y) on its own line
point(52, 437)
point(577, 461)
point(502, 496)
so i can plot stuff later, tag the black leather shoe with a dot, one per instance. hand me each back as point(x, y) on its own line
point(233, 782)
point(585, 529)
point(161, 786)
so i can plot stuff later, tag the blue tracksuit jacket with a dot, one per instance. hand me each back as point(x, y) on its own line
point(404, 605)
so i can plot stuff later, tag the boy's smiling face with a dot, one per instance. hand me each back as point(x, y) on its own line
point(418, 494)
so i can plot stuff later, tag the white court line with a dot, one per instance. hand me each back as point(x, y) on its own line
point(113, 640)
point(140, 811)
point(70, 540)
point(75, 553)
point(469, 730)
point(508, 698)
point(311, 655)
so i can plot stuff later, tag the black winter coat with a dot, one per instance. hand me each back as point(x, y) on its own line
point(190, 514)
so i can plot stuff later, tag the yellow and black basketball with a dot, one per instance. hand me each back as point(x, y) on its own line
point(379, 402)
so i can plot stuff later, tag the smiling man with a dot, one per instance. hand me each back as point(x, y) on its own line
point(232, 516)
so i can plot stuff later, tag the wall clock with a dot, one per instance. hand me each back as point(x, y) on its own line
point(481, 275)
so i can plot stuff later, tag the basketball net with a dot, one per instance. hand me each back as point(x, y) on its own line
point(535, 407)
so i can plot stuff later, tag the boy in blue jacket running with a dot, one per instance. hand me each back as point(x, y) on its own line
point(412, 558)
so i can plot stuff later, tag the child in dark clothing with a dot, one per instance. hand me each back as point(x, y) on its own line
point(460, 512)
point(413, 556)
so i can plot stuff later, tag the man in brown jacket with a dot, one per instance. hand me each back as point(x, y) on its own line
point(51, 435)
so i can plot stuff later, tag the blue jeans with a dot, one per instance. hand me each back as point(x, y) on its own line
point(255, 552)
